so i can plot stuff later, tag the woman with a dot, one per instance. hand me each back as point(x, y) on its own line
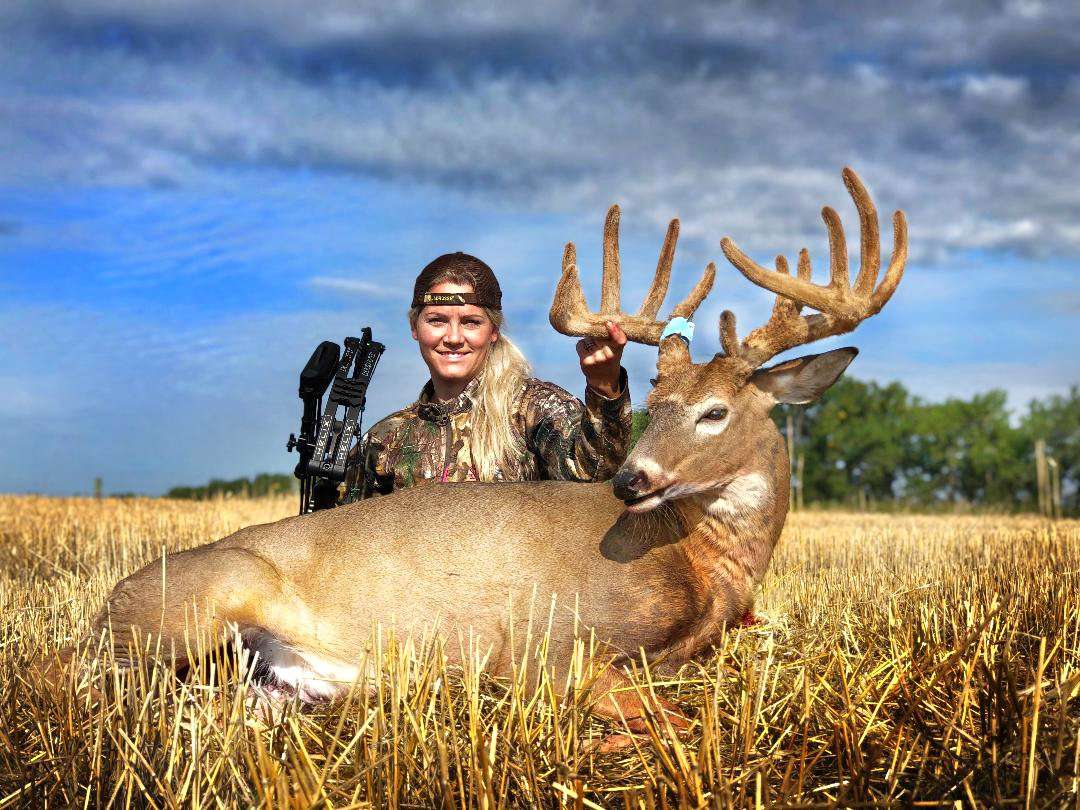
point(481, 416)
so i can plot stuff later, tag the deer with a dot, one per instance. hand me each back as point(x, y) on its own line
point(655, 563)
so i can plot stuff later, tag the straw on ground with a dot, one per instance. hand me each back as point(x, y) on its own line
point(901, 659)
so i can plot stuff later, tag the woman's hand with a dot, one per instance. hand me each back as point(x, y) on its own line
point(601, 360)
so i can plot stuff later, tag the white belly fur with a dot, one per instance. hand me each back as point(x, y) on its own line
point(289, 671)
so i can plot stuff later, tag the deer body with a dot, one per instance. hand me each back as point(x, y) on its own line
point(664, 584)
point(657, 561)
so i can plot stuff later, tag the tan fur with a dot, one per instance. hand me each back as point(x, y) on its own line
point(320, 582)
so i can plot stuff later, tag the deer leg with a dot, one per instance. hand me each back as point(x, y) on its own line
point(186, 604)
point(177, 609)
point(617, 699)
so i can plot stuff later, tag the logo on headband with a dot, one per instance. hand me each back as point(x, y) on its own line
point(449, 299)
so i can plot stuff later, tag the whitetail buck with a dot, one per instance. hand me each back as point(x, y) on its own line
point(656, 561)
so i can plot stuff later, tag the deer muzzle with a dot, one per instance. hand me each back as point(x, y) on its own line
point(637, 489)
point(630, 484)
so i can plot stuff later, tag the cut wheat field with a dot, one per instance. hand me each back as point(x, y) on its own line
point(899, 661)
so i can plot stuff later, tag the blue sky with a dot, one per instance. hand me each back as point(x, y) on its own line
point(192, 196)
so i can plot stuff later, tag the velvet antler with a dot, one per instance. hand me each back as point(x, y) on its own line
point(570, 315)
point(841, 306)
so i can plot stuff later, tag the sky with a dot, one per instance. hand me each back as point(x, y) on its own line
point(194, 194)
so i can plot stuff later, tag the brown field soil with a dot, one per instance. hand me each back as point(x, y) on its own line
point(901, 660)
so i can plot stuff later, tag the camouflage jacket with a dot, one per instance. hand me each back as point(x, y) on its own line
point(558, 437)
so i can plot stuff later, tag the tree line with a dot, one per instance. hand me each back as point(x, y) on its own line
point(261, 484)
point(878, 446)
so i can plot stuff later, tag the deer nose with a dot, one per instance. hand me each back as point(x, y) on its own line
point(630, 484)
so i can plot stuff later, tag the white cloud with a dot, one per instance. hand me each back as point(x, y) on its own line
point(354, 286)
point(995, 88)
point(710, 121)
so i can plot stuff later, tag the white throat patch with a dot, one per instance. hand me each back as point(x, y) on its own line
point(743, 495)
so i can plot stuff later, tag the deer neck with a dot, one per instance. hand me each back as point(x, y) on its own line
point(731, 529)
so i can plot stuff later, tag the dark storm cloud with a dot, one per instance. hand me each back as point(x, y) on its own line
point(737, 116)
point(403, 57)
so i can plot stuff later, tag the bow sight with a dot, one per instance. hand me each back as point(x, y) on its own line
point(325, 441)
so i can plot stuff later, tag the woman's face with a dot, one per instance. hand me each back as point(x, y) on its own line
point(454, 340)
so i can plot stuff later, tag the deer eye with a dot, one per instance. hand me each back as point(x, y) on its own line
point(715, 415)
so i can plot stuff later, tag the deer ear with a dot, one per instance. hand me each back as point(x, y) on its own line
point(804, 379)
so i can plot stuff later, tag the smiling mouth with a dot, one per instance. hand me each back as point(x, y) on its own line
point(454, 355)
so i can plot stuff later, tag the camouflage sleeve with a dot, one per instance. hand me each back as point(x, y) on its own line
point(575, 441)
point(364, 474)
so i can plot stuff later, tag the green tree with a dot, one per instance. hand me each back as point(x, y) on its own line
point(1056, 420)
point(641, 421)
point(262, 484)
point(852, 439)
point(964, 452)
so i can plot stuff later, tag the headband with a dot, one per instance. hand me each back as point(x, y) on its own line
point(457, 267)
point(448, 299)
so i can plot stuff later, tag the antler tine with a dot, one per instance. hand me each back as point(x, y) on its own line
point(805, 268)
point(570, 313)
point(801, 290)
point(869, 236)
point(838, 262)
point(895, 272)
point(841, 306)
point(729, 338)
point(658, 290)
point(767, 340)
point(688, 306)
point(612, 273)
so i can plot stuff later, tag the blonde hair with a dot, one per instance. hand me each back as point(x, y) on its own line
point(492, 443)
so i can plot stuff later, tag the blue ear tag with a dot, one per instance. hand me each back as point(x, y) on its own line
point(681, 327)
